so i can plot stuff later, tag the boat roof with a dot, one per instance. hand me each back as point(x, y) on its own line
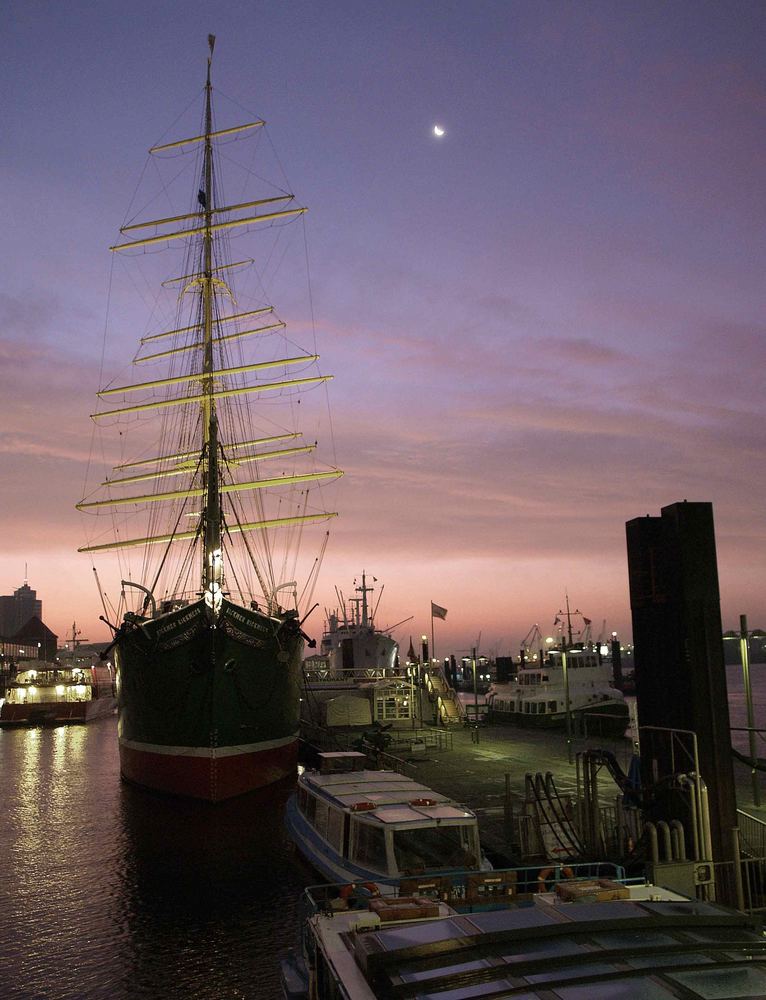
point(645, 946)
point(397, 798)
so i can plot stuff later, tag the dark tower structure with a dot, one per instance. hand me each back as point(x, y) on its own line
point(678, 647)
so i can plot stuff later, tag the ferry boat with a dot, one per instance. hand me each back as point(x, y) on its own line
point(591, 938)
point(377, 827)
point(208, 649)
point(571, 683)
point(567, 684)
point(67, 691)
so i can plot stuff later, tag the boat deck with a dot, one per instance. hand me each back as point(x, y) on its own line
point(650, 944)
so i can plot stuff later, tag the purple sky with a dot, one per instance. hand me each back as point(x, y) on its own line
point(542, 325)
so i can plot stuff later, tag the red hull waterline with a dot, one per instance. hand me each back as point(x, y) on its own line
point(210, 774)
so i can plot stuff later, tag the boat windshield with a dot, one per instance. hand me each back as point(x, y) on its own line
point(435, 847)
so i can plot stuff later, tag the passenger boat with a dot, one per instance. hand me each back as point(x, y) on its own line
point(67, 691)
point(208, 651)
point(589, 939)
point(570, 683)
point(355, 679)
point(565, 684)
point(377, 827)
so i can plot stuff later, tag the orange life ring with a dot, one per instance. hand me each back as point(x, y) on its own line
point(545, 873)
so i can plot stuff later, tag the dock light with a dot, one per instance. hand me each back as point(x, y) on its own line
point(549, 640)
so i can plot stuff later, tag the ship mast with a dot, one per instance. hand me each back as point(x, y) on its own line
point(568, 615)
point(364, 590)
point(212, 568)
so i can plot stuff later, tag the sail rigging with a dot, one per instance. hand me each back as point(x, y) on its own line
point(203, 402)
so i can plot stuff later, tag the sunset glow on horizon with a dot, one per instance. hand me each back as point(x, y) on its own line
point(539, 329)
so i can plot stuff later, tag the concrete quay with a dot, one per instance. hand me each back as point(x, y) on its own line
point(473, 765)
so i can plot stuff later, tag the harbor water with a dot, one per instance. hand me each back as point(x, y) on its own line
point(108, 891)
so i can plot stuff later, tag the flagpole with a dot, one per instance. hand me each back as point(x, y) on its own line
point(433, 647)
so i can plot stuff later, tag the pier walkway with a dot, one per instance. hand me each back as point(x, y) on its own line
point(472, 768)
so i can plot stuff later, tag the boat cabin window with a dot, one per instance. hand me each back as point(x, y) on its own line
point(320, 817)
point(335, 826)
point(435, 847)
point(369, 845)
point(307, 805)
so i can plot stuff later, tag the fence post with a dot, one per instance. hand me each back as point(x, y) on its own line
point(737, 869)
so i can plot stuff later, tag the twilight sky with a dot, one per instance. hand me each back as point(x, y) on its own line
point(542, 325)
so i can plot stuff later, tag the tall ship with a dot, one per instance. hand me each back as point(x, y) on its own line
point(208, 635)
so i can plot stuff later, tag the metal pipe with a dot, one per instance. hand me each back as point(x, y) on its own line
point(651, 830)
point(678, 828)
point(738, 887)
point(705, 817)
point(686, 782)
point(744, 652)
point(664, 830)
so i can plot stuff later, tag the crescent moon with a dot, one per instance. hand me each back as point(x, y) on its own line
point(438, 131)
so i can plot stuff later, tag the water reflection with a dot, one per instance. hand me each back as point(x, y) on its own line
point(209, 895)
point(108, 891)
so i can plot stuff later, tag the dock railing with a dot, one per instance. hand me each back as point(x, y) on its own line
point(466, 891)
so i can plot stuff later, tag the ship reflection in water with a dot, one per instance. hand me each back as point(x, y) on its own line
point(110, 891)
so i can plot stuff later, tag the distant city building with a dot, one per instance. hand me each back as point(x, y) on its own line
point(33, 641)
point(18, 608)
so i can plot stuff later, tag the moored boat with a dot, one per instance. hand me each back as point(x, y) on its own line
point(209, 660)
point(356, 679)
point(591, 938)
point(378, 827)
point(565, 684)
point(72, 689)
point(570, 683)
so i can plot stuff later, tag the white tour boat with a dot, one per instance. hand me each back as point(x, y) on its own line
point(366, 826)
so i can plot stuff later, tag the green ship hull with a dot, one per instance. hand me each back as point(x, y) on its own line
point(208, 711)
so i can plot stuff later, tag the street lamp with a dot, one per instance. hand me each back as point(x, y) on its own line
point(568, 715)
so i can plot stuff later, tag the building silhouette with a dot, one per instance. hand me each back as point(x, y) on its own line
point(17, 609)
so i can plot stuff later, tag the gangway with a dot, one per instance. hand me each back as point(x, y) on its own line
point(449, 709)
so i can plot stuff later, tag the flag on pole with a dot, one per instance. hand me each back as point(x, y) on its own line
point(437, 612)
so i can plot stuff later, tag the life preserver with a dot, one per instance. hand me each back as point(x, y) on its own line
point(545, 873)
point(358, 890)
